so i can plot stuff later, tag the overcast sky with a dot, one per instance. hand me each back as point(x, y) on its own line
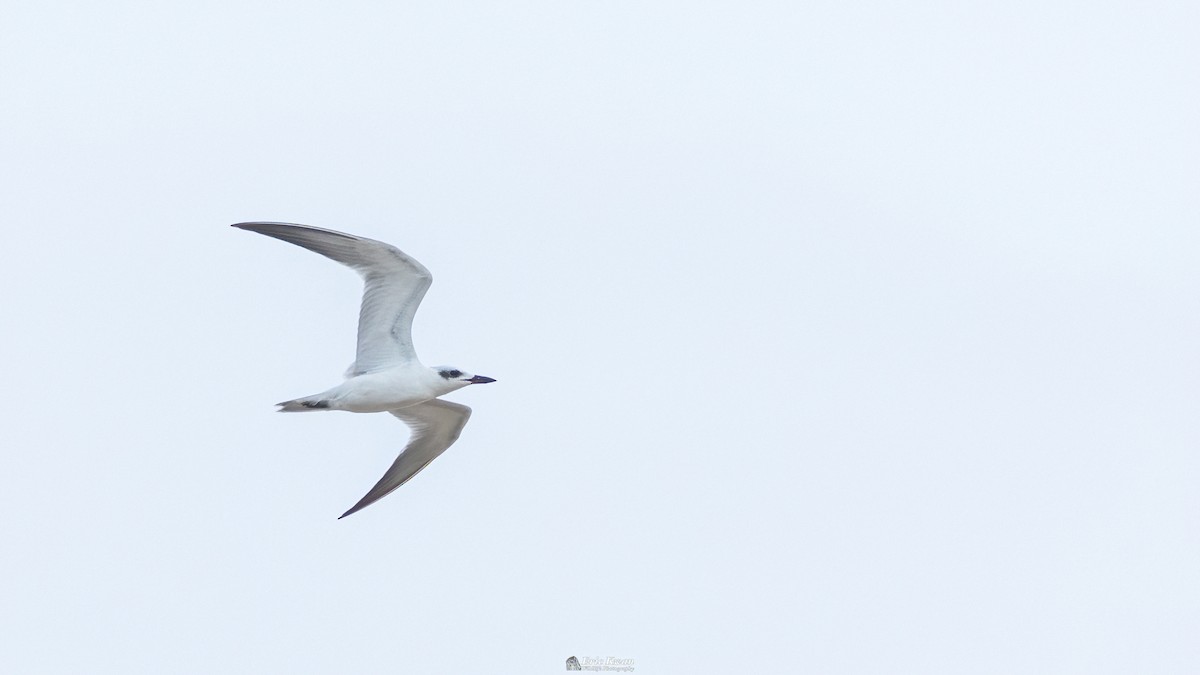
point(830, 337)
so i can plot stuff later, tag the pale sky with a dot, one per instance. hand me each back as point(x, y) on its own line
point(830, 337)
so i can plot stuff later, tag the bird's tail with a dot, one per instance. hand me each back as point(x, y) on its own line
point(306, 404)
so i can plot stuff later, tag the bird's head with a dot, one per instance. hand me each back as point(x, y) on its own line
point(460, 378)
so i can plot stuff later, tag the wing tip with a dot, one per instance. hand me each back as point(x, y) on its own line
point(260, 225)
point(268, 226)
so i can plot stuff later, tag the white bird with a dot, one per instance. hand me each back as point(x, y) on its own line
point(386, 374)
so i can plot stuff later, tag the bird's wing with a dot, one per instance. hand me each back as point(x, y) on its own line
point(394, 286)
point(435, 426)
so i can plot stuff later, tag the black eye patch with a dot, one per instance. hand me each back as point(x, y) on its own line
point(450, 374)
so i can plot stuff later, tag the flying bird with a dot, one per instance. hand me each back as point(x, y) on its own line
point(386, 375)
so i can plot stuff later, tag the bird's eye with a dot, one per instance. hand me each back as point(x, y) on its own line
point(450, 374)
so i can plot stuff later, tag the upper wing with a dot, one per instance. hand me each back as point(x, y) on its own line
point(395, 284)
point(435, 425)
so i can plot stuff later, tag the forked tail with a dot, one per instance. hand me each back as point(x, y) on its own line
point(306, 404)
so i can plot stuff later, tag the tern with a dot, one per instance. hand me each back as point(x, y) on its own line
point(386, 375)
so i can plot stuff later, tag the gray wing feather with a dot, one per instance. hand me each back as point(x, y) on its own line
point(435, 426)
point(394, 285)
